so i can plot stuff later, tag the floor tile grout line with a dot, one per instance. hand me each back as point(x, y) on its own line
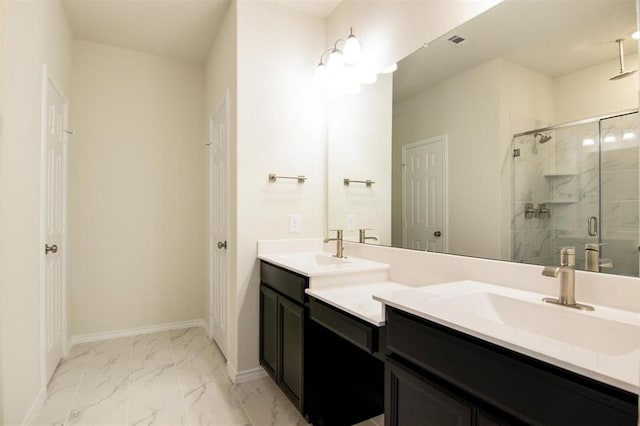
point(246, 412)
point(175, 364)
point(75, 394)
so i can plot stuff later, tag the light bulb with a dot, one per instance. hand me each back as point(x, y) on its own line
point(335, 64)
point(320, 77)
point(627, 136)
point(352, 50)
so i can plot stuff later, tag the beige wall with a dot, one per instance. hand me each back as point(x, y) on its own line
point(359, 131)
point(220, 74)
point(34, 32)
point(281, 129)
point(136, 183)
point(471, 98)
point(589, 92)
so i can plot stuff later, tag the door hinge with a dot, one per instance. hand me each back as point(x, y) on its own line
point(516, 152)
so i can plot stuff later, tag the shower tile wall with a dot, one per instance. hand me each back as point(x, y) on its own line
point(532, 238)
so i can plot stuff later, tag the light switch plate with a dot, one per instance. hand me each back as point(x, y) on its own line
point(295, 224)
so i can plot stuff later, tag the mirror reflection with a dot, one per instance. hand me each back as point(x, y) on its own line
point(439, 137)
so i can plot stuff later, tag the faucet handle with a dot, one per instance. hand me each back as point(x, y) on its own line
point(568, 256)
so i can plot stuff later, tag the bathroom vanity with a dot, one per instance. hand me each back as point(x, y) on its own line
point(328, 361)
point(345, 344)
point(470, 353)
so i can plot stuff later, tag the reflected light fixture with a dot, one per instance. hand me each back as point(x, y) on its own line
point(628, 135)
point(588, 142)
point(344, 69)
point(609, 138)
point(635, 35)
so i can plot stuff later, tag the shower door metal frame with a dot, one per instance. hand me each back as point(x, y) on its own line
point(577, 122)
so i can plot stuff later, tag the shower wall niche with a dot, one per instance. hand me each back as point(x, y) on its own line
point(577, 184)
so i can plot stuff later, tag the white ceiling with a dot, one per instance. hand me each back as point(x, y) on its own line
point(553, 37)
point(182, 29)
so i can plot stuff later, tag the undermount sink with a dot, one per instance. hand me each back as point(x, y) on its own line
point(314, 259)
point(313, 263)
point(558, 323)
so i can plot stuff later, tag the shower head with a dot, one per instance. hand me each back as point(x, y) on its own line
point(622, 73)
point(543, 138)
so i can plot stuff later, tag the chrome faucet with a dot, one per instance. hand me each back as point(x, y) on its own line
point(363, 235)
point(592, 261)
point(339, 246)
point(567, 272)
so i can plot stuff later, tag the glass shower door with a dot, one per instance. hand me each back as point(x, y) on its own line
point(620, 187)
point(555, 193)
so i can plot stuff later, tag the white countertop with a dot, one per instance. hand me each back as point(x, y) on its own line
point(357, 299)
point(318, 264)
point(603, 344)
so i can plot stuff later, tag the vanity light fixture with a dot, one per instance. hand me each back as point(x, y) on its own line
point(609, 138)
point(628, 135)
point(588, 142)
point(343, 70)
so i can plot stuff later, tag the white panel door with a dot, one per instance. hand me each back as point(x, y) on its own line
point(54, 225)
point(218, 227)
point(423, 195)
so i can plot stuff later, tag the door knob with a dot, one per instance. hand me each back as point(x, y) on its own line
point(53, 249)
point(437, 233)
point(222, 245)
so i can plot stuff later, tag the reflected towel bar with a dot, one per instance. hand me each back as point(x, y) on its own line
point(368, 182)
point(273, 177)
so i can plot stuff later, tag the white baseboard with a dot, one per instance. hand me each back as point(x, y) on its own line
point(96, 337)
point(35, 407)
point(246, 375)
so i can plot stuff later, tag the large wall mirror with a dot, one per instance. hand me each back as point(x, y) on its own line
point(506, 138)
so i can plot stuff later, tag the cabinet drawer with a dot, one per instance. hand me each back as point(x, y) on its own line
point(285, 282)
point(528, 389)
point(351, 329)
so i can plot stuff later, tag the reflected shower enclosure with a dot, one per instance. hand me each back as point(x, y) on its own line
point(577, 184)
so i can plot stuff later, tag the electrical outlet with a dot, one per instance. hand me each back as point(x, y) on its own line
point(295, 224)
point(351, 222)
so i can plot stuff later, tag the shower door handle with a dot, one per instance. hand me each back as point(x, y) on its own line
point(592, 226)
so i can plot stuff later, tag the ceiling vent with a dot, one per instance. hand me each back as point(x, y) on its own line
point(457, 40)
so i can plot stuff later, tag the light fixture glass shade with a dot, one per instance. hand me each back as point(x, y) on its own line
point(391, 68)
point(335, 64)
point(352, 50)
point(320, 77)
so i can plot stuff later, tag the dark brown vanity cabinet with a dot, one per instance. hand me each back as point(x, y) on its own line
point(438, 376)
point(282, 329)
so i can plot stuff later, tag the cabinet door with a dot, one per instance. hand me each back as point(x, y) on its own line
point(291, 349)
point(269, 330)
point(411, 399)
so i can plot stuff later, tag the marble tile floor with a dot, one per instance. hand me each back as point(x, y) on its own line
point(169, 378)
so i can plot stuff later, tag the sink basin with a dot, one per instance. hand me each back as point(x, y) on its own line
point(554, 322)
point(313, 259)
